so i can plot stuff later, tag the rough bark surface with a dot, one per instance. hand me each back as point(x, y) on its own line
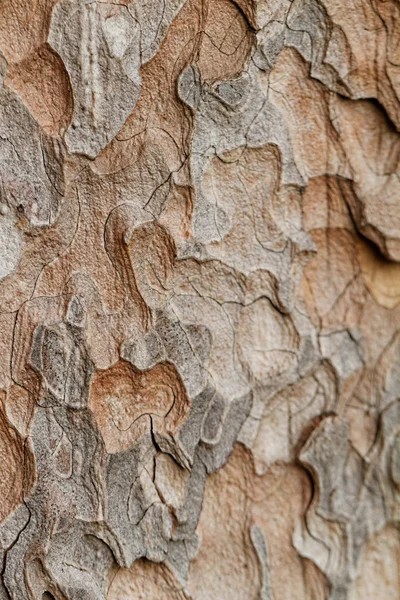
point(199, 299)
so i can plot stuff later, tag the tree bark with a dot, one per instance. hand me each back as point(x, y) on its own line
point(199, 299)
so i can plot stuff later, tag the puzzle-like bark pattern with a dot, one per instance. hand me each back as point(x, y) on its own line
point(199, 299)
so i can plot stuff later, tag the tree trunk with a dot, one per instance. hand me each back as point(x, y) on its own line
point(200, 299)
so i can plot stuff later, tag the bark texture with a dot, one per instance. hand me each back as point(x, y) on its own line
point(199, 299)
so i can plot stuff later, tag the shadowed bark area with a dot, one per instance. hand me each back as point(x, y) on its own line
point(199, 300)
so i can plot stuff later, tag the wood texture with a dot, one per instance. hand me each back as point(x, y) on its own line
point(199, 300)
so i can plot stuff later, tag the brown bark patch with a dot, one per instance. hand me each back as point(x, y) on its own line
point(124, 400)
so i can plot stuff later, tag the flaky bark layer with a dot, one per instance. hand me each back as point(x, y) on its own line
point(199, 299)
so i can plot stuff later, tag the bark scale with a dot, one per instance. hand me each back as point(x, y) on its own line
point(199, 299)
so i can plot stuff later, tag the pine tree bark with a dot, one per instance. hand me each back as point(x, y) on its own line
point(199, 299)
